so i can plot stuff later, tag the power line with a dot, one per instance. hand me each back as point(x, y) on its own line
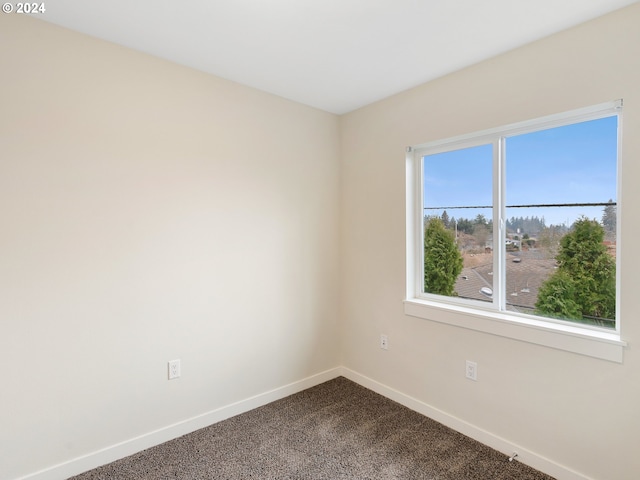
point(604, 204)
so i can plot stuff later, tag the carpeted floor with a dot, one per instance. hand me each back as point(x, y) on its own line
point(336, 430)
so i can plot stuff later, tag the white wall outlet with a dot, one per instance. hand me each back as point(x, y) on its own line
point(384, 342)
point(471, 370)
point(174, 369)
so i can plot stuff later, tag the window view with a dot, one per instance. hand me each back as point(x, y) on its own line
point(556, 198)
point(458, 218)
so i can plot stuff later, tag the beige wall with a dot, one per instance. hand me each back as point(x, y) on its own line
point(151, 212)
point(576, 411)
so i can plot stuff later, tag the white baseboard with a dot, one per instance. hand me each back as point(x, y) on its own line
point(151, 439)
point(525, 456)
point(134, 445)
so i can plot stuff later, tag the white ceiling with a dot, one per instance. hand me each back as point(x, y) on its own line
point(336, 55)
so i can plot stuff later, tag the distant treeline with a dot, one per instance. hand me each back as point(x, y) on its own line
point(523, 225)
point(530, 225)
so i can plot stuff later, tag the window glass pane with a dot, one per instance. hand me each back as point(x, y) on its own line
point(561, 222)
point(458, 201)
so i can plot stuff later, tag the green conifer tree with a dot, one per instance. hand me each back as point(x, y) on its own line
point(442, 260)
point(584, 284)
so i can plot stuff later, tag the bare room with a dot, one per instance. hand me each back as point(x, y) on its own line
point(211, 206)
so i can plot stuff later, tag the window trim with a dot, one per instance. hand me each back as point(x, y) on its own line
point(582, 339)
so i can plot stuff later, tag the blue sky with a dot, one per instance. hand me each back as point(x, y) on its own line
point(569, 164)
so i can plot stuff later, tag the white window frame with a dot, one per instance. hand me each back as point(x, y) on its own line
point(596, 342)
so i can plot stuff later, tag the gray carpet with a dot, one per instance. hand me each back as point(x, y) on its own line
point(336, 430)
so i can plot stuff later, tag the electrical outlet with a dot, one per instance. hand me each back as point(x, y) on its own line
point(174, 369)
point(384, 342)
point(471, 370)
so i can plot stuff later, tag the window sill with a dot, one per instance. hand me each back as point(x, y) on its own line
point(593, 343)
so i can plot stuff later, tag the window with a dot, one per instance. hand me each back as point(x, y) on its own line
point(519, 225)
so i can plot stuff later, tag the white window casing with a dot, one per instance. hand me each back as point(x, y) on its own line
point(492, 317)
